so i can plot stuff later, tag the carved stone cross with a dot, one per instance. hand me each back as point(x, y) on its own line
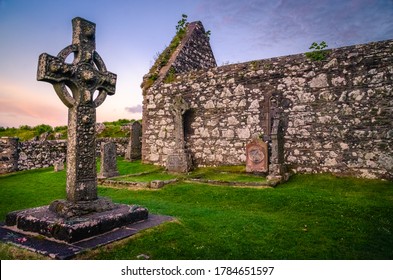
point(83, 214)
point(178, 160)
point(178, 109)
point(84, 76)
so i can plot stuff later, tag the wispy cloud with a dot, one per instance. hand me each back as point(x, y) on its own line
point(287, 25)
point(134, 109)
point(15, 113)
point(20, 105)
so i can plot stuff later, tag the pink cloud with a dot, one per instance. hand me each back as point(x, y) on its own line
point(21, 106)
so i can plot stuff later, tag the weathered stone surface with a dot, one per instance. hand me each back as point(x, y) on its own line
point(134, 148)
point(8, 154)
point(156, 184)
point(83, 214)
point(340, 100)
point(69, 209)
point(257, 157)
point(100, 127)
point(62, 250)
point(178, 160)
point(87, 74)
point(58, 166)
point(46, 222)
point(39, 154)
point(319, 82)
point(108, 161)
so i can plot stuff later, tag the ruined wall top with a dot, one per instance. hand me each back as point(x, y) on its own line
point(187, 52)
point(194, 52)
point(335, 113)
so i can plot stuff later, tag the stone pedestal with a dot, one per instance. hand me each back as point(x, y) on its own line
point(178, 162)
point(277, 172)
point(44, 221)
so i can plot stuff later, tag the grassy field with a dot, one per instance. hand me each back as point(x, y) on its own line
point(25, 132)
point(309, 217)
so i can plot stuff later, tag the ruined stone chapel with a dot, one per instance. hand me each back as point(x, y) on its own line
point(333, 115)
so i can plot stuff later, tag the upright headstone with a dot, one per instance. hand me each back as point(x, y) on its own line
point(108, 161)
point(134, 147)
point(178, 160)
point(257, 156)
point(58, 166)
point(277, 169)
point(83, 214)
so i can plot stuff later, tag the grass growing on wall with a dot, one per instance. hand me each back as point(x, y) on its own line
point(163, 58)
point(309, 217)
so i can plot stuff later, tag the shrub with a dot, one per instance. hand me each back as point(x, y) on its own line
point(318, 53)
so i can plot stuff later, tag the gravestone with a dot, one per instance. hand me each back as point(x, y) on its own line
point(108, 161)
point(178, 160)
point(134, 147)
point(257, 156)
point(82, 214)
point(58, 166)
point(277, 169)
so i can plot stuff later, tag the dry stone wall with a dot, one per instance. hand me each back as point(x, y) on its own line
point(40, 154)
point(336, 114)
point(8, 154)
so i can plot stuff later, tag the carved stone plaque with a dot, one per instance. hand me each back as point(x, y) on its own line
point(257, 156)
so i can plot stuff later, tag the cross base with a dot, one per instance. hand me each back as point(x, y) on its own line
point(67, 209)
point(179, 162)
point(43, 221)
point(132, 154)
point(107, 174)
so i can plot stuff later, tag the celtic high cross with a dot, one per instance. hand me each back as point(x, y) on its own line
point(83, 77)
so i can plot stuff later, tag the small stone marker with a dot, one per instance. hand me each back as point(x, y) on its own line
point(156, 184)
point(257, 156)
point(58, 166)
point(83, 214)
point(134, 148)
point(108, 161)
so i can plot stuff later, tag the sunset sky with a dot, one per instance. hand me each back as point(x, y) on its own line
point(130, 33)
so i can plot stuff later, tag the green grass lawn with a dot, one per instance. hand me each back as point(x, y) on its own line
point(134, 167)
point(309, 217)
point(225, 174)
point(146, 172)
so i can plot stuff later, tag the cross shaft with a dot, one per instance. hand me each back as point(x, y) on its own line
point(85, 75)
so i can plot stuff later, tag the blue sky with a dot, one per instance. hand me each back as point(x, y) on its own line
point(130, 33)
